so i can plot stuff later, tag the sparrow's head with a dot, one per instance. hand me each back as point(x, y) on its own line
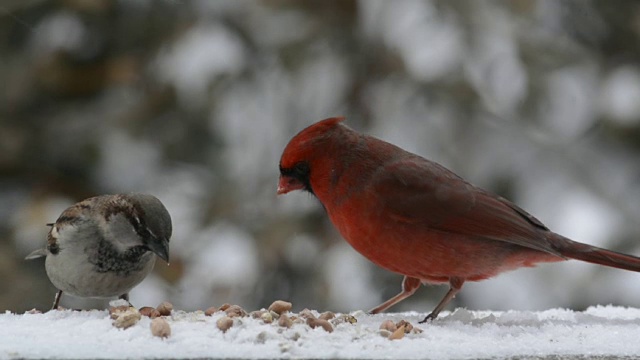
point(151, 222)
point(131, 221)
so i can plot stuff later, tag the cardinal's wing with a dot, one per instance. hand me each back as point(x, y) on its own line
point(416, 190)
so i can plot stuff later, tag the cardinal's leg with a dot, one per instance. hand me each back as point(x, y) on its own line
point(455, 284)
point(409, 286)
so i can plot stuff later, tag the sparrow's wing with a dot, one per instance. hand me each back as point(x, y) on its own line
point(416, 190)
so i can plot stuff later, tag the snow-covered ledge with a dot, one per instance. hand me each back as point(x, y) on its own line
point(598, 331)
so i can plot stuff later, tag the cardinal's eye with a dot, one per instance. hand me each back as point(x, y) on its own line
point(301, 169)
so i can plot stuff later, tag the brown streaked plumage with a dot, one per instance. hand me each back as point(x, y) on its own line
point(105, 245)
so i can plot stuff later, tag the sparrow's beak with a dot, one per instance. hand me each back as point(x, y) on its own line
point(288, 183)
point(160, 247)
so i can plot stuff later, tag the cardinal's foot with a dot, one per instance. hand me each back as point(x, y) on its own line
point(428, 318)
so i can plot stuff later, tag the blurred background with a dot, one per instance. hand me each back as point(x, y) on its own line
point(193, 101)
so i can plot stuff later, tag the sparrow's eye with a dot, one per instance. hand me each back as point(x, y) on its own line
point(143, 232)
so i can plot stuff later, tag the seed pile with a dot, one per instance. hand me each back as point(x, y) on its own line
point(277, 314)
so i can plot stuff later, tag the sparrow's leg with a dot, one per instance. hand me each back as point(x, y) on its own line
point(56, 300)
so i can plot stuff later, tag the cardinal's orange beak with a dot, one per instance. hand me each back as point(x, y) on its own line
point(287, 184)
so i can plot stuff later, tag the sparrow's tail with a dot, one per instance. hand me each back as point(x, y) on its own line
point(579, 251)
point(36, 254)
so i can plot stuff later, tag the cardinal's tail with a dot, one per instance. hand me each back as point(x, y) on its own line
point(579, 251)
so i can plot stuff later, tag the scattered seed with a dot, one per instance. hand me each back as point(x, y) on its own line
point(165, 308)
point(210, 311)
point(224, 306)
point(384, 333)
point(407, 326)
point(280, 306)
point(285, 321)
point(126, 319)
point(398, 334)
point(160, 328)
point(224, 323)
point(115, 310)
point(235, 311)
point(306, 314)
point(257, 314)
point(266, 317)
point(145, 310)
point(149, 312)
point(344, 318)
point(389, 326)
point(327, 315)
point(314, 323)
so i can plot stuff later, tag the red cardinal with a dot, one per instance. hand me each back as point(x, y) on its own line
point(414, 217)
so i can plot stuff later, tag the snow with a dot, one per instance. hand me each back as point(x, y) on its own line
point(598, 331)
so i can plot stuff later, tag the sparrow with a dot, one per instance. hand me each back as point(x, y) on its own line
point(104, 246)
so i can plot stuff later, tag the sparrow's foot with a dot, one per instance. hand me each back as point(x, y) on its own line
point(125, 297)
